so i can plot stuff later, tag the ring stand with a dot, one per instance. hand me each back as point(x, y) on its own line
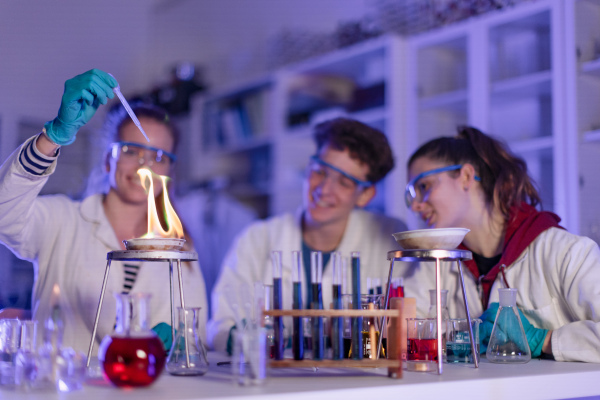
point(437, 256)
point(169, 256)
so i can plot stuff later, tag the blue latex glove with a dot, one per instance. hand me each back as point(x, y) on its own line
point(535, 336)
point(163, 331)
point(82, 96)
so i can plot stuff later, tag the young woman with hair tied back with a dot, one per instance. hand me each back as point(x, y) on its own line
point(67, 241)
point(473, 181)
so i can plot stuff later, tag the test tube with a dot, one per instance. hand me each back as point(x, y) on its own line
point(277, 304)
point(316, 268)
point(337, 328)
point(357, 348)
point(298, 334)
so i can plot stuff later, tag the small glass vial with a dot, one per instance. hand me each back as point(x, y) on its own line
point(27, 363)
point(508, 343)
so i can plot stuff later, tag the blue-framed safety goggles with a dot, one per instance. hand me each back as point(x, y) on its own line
point(412, 194)
point(126, 146)
point(358, 182)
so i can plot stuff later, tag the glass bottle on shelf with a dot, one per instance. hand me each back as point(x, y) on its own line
point(187, 355)
point(508, 343)
point(132, 355)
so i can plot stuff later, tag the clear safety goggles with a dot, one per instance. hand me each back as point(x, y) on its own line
point(415, 192)
point(318, 170)
point(141, 154)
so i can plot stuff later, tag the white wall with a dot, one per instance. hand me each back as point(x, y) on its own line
point(43, 43)
point(232, 34)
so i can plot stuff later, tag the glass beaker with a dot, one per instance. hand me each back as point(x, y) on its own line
point(508, 343)
point(432, 313)
point(187, 355)
point(249, 358)
point(10, 340)
point(458, 344)
point(370, 330)
point(422, 345)
point(133, 355)
point(27, 362)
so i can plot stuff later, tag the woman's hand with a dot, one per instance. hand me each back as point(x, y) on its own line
point(82, 96)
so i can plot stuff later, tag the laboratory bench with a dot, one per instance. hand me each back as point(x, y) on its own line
point(538, 379)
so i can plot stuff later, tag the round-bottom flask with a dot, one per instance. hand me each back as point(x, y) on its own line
point(187, 355)
point(508, 343)
point(133, 355)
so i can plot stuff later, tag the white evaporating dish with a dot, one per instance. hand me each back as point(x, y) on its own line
point(431, 239)
point(154, 244)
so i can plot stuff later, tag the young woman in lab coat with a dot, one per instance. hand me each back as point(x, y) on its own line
point(473, 181)
point(350, 158)
point(67, 240)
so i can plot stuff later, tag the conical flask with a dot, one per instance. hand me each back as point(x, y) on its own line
point(508, 343)
point(187, 355)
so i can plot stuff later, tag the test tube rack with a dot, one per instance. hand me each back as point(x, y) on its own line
point(170, 256)
point(393, 362)
point(437, 255)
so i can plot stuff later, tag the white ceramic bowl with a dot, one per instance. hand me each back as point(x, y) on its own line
point(154, 244)
point(429, 239)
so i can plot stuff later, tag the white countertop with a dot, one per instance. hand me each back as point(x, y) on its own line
point(538, 379)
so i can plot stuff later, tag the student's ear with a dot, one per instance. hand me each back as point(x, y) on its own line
point(366, 196)
point(467, 175)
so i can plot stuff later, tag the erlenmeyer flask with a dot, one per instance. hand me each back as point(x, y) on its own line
point(187, 355)
point(508, 343)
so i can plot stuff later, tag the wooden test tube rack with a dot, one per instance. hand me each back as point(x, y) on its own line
point(393, 363)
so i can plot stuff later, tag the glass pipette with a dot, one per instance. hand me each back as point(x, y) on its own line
point(136, 121)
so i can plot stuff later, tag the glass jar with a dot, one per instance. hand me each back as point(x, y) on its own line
point(187, 355)
point(133, 355)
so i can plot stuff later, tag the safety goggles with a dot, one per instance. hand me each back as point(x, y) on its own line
point(141, 154)
point(319, 170)
point(417, 193)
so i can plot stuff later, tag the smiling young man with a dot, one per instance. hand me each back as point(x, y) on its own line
point(340, 180)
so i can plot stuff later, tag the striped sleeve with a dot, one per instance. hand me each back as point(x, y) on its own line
point(33, 161)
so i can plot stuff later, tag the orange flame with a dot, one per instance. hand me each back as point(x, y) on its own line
point(155, 229)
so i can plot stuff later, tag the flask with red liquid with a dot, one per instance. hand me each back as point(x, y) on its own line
point(132, 355)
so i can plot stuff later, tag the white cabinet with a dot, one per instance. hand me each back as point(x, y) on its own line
point(363, 82)
point(264, 166)
point(529, 75)
point(503, 73)
point(582, 42)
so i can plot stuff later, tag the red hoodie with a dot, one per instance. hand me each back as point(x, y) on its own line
point(525, 224)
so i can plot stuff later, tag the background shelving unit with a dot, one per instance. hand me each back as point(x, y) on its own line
point(502, 73)
point(582, 42)
point(235, 143)
point(360, 82)
point(529, 75)
point(264, 168)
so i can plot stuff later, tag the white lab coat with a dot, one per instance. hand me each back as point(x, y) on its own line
point(249, 261)
point(558, 282)
point(67, 241)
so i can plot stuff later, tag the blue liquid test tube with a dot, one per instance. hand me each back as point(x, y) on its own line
point(337, 323)
point(318, 344)
point(357, 323)
point(277, 304)
point(298, 322)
